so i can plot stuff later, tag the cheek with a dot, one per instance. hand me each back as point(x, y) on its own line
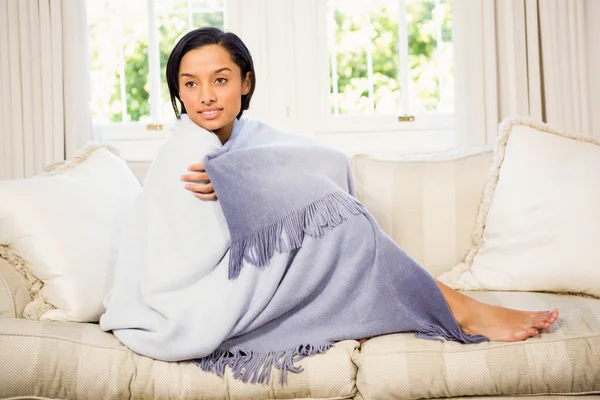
point(231, 97)
point(187, 98)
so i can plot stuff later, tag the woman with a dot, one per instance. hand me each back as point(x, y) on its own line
point(211, 76)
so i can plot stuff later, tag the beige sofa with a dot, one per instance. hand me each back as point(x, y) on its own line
point(428, 204)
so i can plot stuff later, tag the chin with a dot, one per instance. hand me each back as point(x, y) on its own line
point(209, 125)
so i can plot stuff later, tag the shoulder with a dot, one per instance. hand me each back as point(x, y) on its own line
point(262, 131)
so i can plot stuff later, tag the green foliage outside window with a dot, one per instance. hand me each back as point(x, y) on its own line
point(429, 62)
point(171, 28)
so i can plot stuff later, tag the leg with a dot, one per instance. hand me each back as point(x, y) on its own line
point(497, 323)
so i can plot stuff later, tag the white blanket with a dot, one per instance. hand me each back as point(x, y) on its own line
point(171, 298)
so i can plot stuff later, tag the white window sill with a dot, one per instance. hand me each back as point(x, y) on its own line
point(144, 151)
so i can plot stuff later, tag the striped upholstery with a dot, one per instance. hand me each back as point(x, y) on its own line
point(564, 360)
point(426, 203)
point(14, 295)
point(79, 361)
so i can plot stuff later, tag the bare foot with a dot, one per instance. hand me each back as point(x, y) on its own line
point(503, 324)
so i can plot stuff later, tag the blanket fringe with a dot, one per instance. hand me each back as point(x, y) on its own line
point(440, 334)
point(288, 233)
point(255, 367)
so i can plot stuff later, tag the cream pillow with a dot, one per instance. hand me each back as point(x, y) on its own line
point(427, 203)
point(538, 227)
point(62, 227)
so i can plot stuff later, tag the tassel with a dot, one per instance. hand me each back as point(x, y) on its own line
point(255, 367)
point(288, 233)
point(440, 334)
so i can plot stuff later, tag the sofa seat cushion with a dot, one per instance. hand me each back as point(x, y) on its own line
point(79, 361)
point(564, 359)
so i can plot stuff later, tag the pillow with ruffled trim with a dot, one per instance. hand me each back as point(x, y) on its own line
point(59, 230)
point(538, 226)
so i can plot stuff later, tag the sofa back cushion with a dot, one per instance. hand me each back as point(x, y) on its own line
point(427, 203)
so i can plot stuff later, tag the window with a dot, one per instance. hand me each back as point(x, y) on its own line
point(130, 42)
point(389, 61)
point(338, 70)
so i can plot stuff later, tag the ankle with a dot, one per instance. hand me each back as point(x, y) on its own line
point(461, 306)
point(464, 311)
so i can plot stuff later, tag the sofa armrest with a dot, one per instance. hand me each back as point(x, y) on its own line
point(14, 295)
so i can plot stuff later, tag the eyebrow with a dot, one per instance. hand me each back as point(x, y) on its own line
point(216, 72)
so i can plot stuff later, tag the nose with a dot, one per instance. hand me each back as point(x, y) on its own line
point(207, 95)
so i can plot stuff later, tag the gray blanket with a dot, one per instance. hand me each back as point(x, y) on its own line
point(344, 277)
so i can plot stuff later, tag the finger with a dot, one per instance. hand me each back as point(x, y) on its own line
point(197, 167)
point(196, 176)
point(203, 196)
point(204, 189)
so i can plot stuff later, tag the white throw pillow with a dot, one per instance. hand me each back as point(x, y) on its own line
point(64, 225)
point(538, 227)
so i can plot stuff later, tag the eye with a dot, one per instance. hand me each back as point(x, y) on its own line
point(221, 81)
point(190, 84)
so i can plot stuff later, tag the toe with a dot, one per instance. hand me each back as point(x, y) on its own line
point(540, 323)
point(524, 334)
point(539, 314)
point(532, 332)
point(552, 316)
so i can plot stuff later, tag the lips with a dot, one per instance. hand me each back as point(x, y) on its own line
point(210, 113)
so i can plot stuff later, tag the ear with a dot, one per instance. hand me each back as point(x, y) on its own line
point(247, 83)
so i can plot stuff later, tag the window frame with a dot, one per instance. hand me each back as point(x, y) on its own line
point(156, 129)
point(308, 89)
point(364, 123)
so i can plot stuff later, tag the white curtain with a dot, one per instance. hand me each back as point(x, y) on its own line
point(565, 63)
point(524, 57)
point(44, 84)
point(593, 35)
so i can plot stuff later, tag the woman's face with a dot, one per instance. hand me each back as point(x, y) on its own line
point(211, 89)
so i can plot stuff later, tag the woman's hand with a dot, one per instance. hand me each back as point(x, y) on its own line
point(204, 190)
